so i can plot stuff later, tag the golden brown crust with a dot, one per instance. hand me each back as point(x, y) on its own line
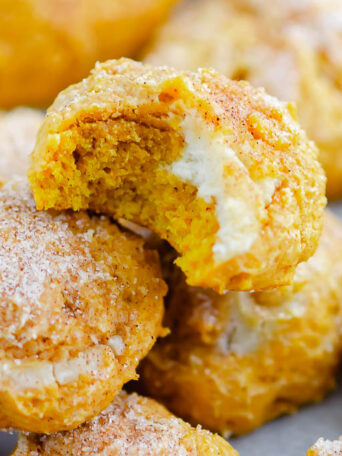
point(130, 425)
point(233, 362)
point(81, 303)
point(293, 49)
point(18, 130)
point(47, 45)
point(126, 141)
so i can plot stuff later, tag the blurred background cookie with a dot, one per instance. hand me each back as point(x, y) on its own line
point(18, 131)
point(131, 425)
point(217, 168)
point(81, 302)
point(233, 362)
point(293, 49)
point(45, 45)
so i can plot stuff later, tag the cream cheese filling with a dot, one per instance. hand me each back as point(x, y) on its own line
point(37, 374)
point(252, 326)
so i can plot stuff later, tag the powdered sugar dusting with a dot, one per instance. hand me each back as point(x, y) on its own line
point(327, 447)
point(68, 281)
point(80, 304)
point(131, 425)
point(39, 250)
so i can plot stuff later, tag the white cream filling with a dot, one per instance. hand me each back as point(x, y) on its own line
point(202, 164)
point(268, 186)
point(29, 375)
point(117, 344)
point(250, 325)
point(38, 374)
point(241, 336)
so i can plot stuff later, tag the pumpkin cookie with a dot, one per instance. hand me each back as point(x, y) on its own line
point(131, 425)
point(45, 45)
point(217, 168)
point(293, 49)
point(81, 303)
point(236, 361)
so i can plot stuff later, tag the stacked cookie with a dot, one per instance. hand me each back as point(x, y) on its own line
point(231, 196)
point(292, 48)
point(172, 229)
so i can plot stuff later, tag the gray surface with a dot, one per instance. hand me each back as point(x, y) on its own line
point(7, 442)
point(293, 435)
point(336, 208)
point(287, 436)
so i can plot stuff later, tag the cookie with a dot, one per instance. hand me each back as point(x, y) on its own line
point(234, 362)
point(219, 169)
point(81, 302)
point(293, 49)
point(131, 425)
point(45, 45)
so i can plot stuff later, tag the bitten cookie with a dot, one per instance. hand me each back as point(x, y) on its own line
point(217, 168)
point(292, 48)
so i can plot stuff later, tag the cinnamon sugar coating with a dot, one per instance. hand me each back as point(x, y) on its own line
point(219, 169)
point(131, 425)
point(291, 48)
point(81, 302)
point(233, 362)
point(326, 448)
